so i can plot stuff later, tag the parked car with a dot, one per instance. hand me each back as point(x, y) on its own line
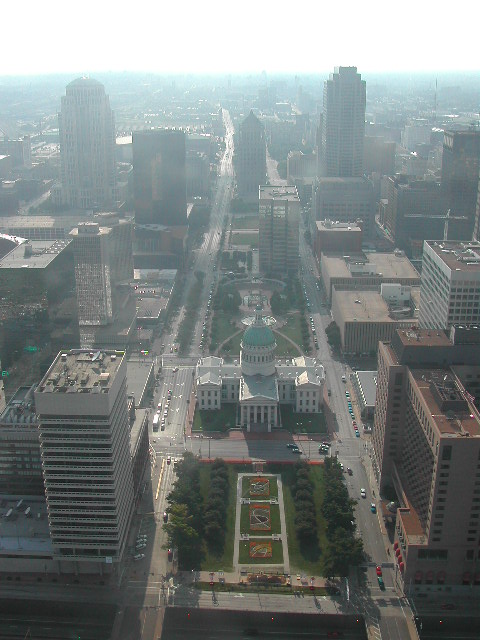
point(165, 516)
point(170, 555)
point(138, 556)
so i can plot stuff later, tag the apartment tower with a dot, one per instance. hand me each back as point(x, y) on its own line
point(87, 146)
point(81, 405)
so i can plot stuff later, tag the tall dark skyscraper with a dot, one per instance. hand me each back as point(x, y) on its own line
point(250, 157)
point(87, 146)
point(460, 166)
point(160, 185)
point(344, 100)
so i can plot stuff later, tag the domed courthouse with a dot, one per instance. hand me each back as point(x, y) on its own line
point(260, 384)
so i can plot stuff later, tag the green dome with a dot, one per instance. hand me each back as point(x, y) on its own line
point(256, 336)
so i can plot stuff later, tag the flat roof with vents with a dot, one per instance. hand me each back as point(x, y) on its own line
point(81, 371)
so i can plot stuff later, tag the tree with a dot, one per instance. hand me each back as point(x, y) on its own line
point(333, 335)
point(277, 303)
point(182, 535)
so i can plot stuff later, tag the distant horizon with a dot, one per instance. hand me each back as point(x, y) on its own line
point(211, 38)
point(238, 74)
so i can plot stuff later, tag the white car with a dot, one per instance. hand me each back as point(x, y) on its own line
point(139, 556)
point(363, 493)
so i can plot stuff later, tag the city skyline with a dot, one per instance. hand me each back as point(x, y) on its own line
point(209, 38)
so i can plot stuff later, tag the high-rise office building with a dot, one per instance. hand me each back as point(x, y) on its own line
point(279, 209)
point(343, 124)
point(87, 146)
point(82, 411)
point(160, 183)
point(460, 168)
point(426, 449)
point(250, 157)
point(415, 212)
point(450, 284)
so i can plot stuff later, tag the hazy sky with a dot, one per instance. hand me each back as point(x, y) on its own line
point(84, 36)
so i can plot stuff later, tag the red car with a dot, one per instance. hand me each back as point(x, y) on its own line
point(379, 570)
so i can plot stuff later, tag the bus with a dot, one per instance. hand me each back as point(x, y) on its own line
point(155, 422)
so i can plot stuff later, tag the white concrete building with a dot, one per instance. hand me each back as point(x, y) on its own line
point(450, 285)
point(259, 384)
point(84, 430)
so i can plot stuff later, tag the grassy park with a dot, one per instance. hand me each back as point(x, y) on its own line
point(215, 419)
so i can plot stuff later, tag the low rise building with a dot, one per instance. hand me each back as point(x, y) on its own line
point(358, 270)
point(365, 317)
point(333, 237)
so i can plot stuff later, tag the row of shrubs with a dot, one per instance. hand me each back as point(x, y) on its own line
point(215, 513)
point(305, 511)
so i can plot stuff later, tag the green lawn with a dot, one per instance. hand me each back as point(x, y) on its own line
point(245, 222)
point(285, 348)
point(244, 553)
point(232, 347)
point(224, 326)
point(306, 559)
point(245, 519)
point(292, 328)
point(215, 420)
point(223, 560)
point(303, 422)
point(273, 488)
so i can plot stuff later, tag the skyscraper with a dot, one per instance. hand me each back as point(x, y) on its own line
point(160, 184)
point(344, 100)
point(460, 167)
point(85, 449)
point(250, 157)
point(87, 146)
point(279, 209)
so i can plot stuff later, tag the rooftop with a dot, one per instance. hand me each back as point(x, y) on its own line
point(25, 530)
point(458, 256)
point(412, 525)
point(278, 192)
point(386, 265)
point(449, 406)
point(33, 254)
point(258, 386)
point(334, 225)
point(81, 371)
point(139, 371)
point(365, 306)
point(20, 411)
point(367, 382)
point(423, 337)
